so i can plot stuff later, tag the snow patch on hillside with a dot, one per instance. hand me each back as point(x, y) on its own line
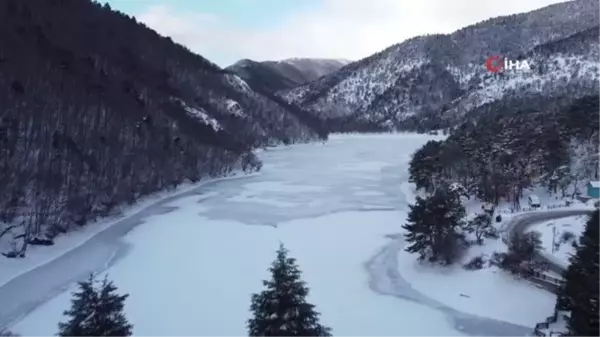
point(355, 91)
point(203, 116)
point(554, 74)
point(234, 108)
point(295, 95)
point(238, 83)
point(466, 75)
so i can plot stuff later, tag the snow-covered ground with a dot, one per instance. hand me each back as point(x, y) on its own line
point(558, 328)
point(191, 266)
point(563, 249)
point(488, 292)
point(478, 292)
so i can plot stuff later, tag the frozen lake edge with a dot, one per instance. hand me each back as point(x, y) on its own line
point(308, 196)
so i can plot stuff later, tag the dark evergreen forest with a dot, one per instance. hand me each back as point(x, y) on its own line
point(512, 144)
point(97, 110)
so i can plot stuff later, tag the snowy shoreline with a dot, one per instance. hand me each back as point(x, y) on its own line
point(106, 250)
point(385, 278)
point(332, 205)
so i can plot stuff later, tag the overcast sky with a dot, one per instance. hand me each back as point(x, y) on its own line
point(225, 31)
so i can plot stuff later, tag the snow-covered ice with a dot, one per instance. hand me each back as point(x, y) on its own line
point(40, 255)
point(489, 292)
point(190, 269)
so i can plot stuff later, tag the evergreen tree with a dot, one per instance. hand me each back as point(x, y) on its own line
point(482, 227)
point(434, 227)
point(579, 295)
point(96, 311)
point(281, 309)
point(425, 166)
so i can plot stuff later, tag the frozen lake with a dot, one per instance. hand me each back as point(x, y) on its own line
point(191, 264)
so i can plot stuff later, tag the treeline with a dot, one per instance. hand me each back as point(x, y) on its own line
point(514, 144)
point(97, 110)
point(281, 309)
point(579, 294)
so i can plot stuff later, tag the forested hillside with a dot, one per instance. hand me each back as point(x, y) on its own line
point(516, 131)
point(97, 110)
point(514, 144)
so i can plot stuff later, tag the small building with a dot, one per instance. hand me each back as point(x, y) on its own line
point(534, 201)
point(593, 189)
point(488, 208)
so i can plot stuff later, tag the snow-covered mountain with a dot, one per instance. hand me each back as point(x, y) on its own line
point(285, 74)
point(566, 66)
point(429, 82)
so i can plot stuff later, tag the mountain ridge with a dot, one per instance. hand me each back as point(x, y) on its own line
point(355, 89)
point(284, 74)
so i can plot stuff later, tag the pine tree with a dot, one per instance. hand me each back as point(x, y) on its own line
point(96, 311)
point(579, 295)
point(434, 227)
point(482, 227)
point(81, 312)
point(425, 166)
point(281, 309)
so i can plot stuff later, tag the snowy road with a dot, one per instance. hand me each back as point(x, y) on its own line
point(191, 267)
point(521, 223)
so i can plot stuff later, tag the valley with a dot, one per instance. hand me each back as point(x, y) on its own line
point(194, 260)
point(147, 190)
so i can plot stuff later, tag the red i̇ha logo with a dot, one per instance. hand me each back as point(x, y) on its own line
point(496, 64)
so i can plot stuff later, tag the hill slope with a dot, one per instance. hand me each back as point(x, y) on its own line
point(97, 110)
point(516, 130)
point(564, 67)
point(431, 81)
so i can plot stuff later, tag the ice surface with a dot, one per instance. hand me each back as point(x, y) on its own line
point(191, 266)
point(40, 255)
point(488, 292)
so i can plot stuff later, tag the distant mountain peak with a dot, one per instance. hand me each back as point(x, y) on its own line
point(285, 74)
point(315, 59)
point(243, 63)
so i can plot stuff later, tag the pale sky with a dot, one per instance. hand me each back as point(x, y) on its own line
point(225, 31)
